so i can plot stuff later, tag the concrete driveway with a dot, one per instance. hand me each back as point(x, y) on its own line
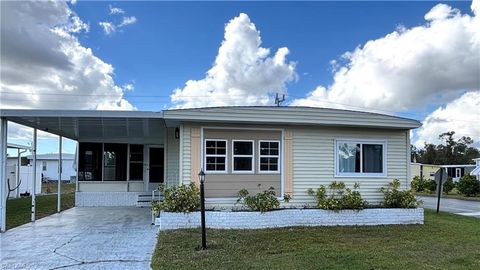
point(460, 207)
point(82, 238)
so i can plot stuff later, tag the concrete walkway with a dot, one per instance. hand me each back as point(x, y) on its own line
point(460, 207)
point(82, 238)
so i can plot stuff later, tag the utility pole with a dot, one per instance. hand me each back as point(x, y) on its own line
point(278, 100)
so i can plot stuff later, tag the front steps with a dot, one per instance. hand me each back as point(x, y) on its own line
point(145, 199)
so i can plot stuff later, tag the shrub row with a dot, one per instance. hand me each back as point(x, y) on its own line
point(468, 185)
point(336, 196)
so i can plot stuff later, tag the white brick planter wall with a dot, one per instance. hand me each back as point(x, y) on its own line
point(290, 218)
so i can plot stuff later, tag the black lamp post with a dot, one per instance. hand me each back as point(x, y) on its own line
point(201, 176)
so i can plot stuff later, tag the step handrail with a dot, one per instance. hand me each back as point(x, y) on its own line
point(153, 199)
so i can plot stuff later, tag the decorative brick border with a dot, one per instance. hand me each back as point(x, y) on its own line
point(290, 218)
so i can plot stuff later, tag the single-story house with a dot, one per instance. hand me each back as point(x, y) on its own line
point(425, 171)
point(476, 171)
point(458, 171)
point(47, 170)
point(124, 155)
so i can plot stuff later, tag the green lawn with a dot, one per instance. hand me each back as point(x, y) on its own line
point(19, 210)
point(446, 241)
point(51, 187)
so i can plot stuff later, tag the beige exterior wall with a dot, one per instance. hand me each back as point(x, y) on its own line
point(227, 185)
point(309, 155)
point(314, 160)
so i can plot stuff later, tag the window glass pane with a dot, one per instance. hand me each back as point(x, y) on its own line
point(372, 158)
point(115, 162)
point(242, 148)
point(264, 148)
point(90, 162)
point(215, 163)
point(349, 157)
point(242, 163)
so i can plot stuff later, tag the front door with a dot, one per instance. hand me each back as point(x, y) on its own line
point(156, 167)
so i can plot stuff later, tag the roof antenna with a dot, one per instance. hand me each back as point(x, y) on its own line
point(278, 100)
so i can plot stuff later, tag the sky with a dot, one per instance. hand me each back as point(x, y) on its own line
point(413, 59)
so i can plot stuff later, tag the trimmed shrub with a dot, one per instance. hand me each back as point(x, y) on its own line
point(263, 201)
point(393, 197)
point(448, 186)
point(468, 185)
point(338, 197)
point(183, 198)
point(420, 184)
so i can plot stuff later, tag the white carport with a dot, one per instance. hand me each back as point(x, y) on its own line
point(81, 126)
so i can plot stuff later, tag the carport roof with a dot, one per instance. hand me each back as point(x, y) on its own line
point(91, 124)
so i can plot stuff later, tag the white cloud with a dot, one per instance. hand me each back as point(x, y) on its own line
point(128, 87)
point(108, 27)
point(127, 21)
point(461, 115)
point(116, 10)
point(411, 67)
point(243, 73)
point(43, 64)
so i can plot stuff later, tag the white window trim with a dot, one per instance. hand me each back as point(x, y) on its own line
point(252, 156)
point(361, 174)
point(205, 155)
point(269, 156)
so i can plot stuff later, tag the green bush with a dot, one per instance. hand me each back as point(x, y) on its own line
point(420, 184)
point(468, 185)
point(448, 186)
point(338, 197)
point(263, 201)
point(395, 198)
point(183, 198)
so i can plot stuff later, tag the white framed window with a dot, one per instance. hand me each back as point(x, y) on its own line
point(44, 165)
point(269, 156)
point(242, 156)
point(215, 154)
point(360, 158)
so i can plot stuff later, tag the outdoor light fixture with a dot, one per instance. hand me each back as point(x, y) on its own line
point(177, 133)
point(201, 177)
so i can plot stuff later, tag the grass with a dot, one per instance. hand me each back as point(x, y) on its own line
point(51, 187)
point(19, 210)
point(446, 241)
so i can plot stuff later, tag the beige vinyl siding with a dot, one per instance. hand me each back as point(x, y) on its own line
point(314, 160)
point(172, 173)
point(186, 154)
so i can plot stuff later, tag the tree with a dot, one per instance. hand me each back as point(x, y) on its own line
point(450, 152)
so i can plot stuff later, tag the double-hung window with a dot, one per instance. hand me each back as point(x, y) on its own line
point(360, 158)
point(216, 156)
point(242, 153)
point(269, 156)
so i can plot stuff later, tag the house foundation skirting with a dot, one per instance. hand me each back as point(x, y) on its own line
point(106, 198)
point(290, 218)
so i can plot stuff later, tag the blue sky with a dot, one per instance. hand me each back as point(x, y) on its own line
point(403, 65)
point(173, 42)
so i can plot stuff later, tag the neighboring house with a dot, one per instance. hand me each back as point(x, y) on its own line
point(427, 171)
point(476, 171)
point(47, 169)
point(458, 171)
point(126, 154)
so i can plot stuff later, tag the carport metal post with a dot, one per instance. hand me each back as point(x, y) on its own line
point(59, 174)
point(34, 149)
point(3, 173)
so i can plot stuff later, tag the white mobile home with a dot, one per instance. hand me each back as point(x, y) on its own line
point(123, 155)
point(47, 170)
